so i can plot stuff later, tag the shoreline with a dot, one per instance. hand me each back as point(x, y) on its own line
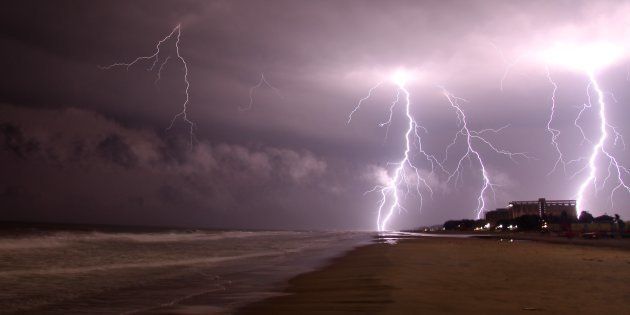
point(461, 275)
point(138, 272)
point(240, 289)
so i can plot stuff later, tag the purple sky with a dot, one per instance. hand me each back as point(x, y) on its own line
point(82, 144)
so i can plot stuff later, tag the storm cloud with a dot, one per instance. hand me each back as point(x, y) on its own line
point(83, 144)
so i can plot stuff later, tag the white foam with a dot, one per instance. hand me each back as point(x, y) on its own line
point(29, 243)
point(61, 239)
point(147, 264)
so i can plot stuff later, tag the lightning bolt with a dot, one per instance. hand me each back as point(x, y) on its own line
point(405, 172)
point(579, 115)
point(471, 137)
point(154, 59)
point(356, 108)
point(599, 147)
point(555, 133)
point(252, 90)
point(509, 64)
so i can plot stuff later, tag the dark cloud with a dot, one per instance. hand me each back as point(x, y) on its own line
point(113, 170)
point(170, 195)
point(114, 148)
point(15, 142)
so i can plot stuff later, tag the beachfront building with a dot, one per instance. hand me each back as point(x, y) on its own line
point(500, 214)
point(555, 208)
point(542, 207)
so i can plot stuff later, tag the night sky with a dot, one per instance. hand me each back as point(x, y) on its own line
point(83, 144)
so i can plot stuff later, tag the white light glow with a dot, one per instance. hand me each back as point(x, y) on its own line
point(586, 57)
point(401, 77)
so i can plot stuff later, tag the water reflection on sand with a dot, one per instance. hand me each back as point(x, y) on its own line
point(393, 237)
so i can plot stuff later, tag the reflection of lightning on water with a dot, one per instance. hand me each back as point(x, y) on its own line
point(154, 59)
point(405, 173)
point(261, 82)
point(472, 136)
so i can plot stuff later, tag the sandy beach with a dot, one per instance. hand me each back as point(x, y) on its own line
point(462, 276)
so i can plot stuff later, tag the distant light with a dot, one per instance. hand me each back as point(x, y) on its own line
point(587, 57)
point(487, 226)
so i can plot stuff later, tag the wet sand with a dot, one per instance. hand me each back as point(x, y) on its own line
point(462, 276)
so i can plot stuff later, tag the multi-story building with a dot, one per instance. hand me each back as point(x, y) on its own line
point(542, 208)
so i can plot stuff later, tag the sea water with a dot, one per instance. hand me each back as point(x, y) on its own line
point(167, 271)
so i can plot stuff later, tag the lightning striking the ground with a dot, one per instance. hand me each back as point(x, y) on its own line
point(588, 59)
point(600, 147)
point(405, 173)
point(471, 137)
point(154, 59)
point(252, 90)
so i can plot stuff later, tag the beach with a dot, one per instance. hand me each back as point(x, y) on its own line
point(462, 276)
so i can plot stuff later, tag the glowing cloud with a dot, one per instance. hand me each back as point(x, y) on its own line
point(584, 58)
point(402, 76)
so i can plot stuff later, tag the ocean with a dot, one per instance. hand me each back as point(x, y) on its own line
point(84, 271)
